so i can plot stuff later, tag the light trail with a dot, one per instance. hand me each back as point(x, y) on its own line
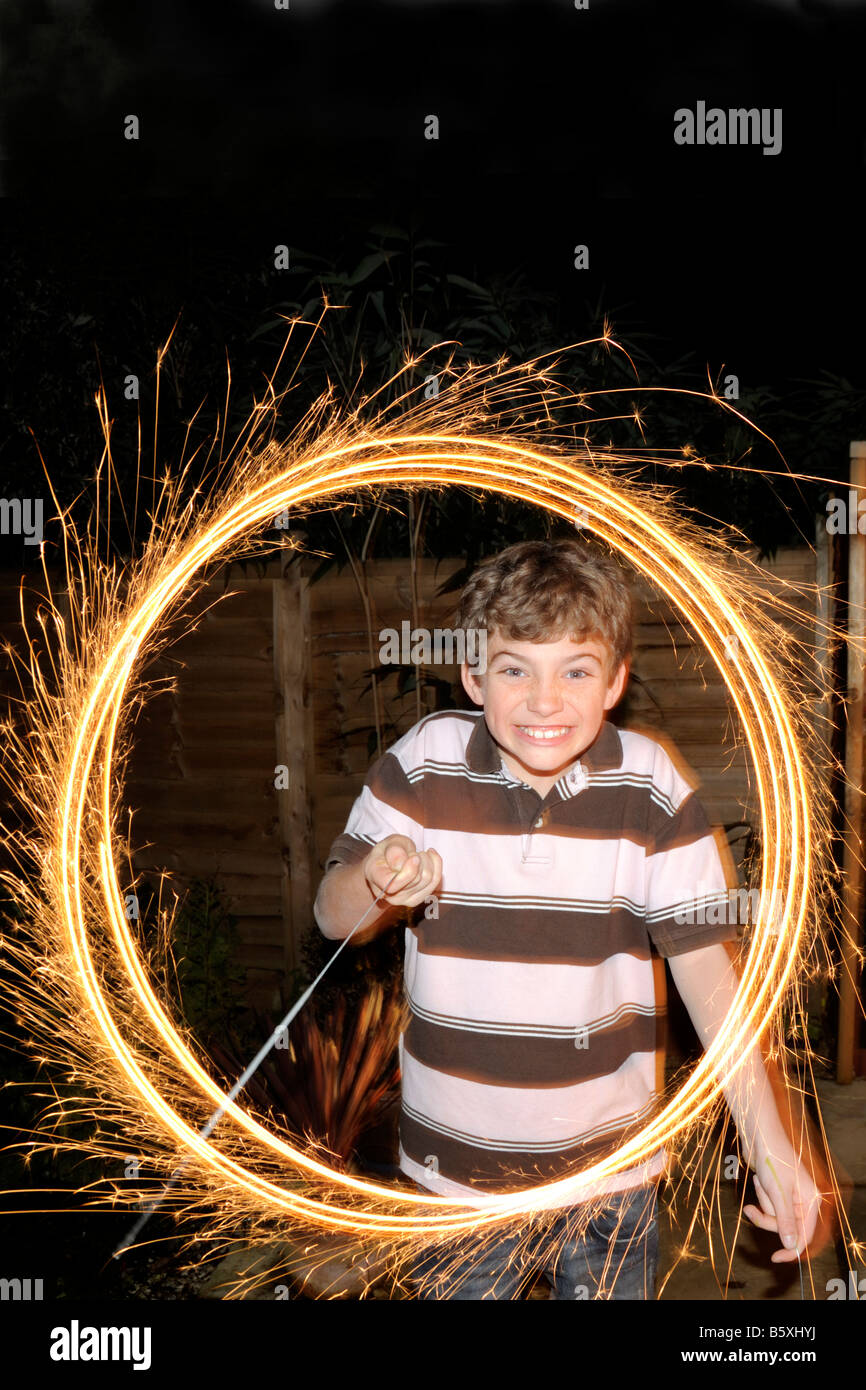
point(250, 1070)
point(79, 978)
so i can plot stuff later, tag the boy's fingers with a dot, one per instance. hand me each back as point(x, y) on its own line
point(778, 1219)
point(400, 859)
point(395, 856)
point(407, 882)
point(389, 883)
point(760, 1218)
point(409, 871)
point(767, 1208)
point(405, 877)
point(786, 1221)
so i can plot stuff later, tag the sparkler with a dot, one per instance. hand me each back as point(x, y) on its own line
point(79, 977)
point(249, 1071)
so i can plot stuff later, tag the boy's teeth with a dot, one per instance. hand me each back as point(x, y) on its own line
point(544, 733)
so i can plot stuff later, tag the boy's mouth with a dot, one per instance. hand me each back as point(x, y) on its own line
point(543, 733)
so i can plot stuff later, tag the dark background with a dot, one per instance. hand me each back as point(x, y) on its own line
point(305, 127)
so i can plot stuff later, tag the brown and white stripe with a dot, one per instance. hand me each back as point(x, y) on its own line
point(530, 1049)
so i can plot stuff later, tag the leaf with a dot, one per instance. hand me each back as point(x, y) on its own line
point(407, 679)
point(266, 328)
point(457, 580)
point(426, 337)
point(443, 692)
point(494, 327)
point(464, 284)
point(390, 232)
point(377, 299)
point(382, 673)
point(368, 265)
point(322, 569)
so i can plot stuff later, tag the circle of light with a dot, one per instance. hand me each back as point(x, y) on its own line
point(518, 472)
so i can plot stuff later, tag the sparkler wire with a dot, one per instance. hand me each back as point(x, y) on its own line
point(246, 1075)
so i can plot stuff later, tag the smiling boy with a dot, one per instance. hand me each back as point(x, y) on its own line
point(540, 725)
point(559, 850)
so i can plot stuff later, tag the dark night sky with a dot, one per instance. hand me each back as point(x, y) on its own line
point(305, 126)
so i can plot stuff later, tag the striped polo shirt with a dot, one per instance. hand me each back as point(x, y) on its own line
point(530, 1050)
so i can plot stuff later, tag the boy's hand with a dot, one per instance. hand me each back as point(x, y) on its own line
point(790, 1201)
point(420, 873)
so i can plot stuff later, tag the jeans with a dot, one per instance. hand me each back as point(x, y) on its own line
point(615, 1258)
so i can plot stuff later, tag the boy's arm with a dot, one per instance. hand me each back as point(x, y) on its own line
point(381, 834)
point(790, 1200)
point(393, 875)
point(344, 895)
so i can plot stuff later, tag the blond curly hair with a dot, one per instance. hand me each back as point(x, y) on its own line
point(542, 591)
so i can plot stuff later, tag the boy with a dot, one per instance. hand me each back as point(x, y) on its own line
point(558, 848)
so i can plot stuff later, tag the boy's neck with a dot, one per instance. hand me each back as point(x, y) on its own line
point(538, 781)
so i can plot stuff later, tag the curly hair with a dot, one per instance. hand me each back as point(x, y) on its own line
point(542, 591)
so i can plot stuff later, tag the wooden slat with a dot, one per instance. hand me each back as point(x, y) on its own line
point(180, 800)
point(195, 860)
point(293, 741)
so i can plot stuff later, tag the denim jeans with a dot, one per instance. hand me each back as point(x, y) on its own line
point(615, 1258)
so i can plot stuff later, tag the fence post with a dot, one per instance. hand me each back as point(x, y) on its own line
point(294, 744)
point(661, 1006)
point(852, 869)
point(826, 699)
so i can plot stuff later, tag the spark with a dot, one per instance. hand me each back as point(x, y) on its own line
point(78, 975)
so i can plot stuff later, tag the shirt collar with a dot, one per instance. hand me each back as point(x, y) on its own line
point(483, 754)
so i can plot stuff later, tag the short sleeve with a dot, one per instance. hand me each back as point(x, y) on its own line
point(389, 804)
point(687, 898)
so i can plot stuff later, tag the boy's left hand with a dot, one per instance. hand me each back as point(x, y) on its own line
point(789, 1199)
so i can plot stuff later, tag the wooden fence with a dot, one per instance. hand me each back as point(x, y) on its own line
point(278, 675)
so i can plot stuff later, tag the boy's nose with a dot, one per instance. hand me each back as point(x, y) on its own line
point(544, 698)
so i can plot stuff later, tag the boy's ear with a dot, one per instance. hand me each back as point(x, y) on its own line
point(471, 684)
point(617, 685)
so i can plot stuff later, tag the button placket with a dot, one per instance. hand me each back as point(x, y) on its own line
point(530, 853)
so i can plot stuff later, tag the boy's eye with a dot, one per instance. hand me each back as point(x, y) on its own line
point(517, 671)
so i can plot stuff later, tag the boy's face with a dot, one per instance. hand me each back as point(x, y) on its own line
point(544, 702)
